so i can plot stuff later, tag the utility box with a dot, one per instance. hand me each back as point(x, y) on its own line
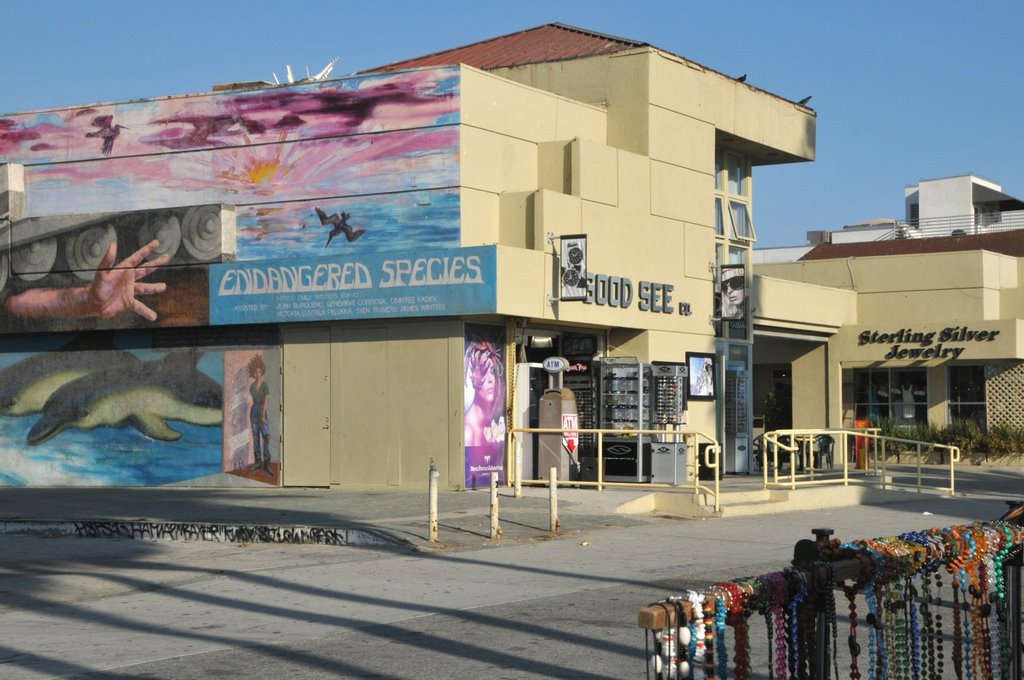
point(670, 463)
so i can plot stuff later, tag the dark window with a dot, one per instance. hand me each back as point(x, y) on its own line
point(967, 394)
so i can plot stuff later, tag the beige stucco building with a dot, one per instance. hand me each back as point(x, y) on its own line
point(447, 188)
point(917, 321)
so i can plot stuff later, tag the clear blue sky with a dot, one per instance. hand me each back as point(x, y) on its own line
point(904, 90)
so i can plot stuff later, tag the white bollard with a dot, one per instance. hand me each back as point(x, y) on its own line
point(519, 469)
point(495, 527)
point(432, 486)
point(553, 498)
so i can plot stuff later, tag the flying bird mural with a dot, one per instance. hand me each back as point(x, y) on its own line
point(339, 225)
point(106, 131)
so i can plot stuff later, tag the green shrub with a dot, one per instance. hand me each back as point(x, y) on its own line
point(1001, 440)
point(965, 434)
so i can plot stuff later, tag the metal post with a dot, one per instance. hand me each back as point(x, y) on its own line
point(495, 527)
point(432, 492)
point(919, 467)
point(821, 593)
point(553, 498)
point(519, 468)
point(846, 457)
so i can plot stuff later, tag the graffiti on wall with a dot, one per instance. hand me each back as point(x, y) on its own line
point(383, 148)
point(484, 390)
point(111, 409)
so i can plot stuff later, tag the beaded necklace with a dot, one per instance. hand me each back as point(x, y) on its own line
point(777, 623)
point(737, 619)
point(720, 648)
point(910, 598)
point(851, 595)
point(922, 642)
point(709, 643)
point(1000, 595)
point(830, 612)
point(940, 662)
point(799, 580)
point(697, 637)
point(878, 658)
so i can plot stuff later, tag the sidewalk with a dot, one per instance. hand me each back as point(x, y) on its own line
point(368, 517)
point(392, 518)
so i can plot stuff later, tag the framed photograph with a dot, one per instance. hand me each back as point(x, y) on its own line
point(702, 376)
point(573, 267)
point(733, 292)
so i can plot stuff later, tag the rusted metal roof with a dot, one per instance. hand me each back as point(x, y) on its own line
point(550, 42)
point(1003, 242)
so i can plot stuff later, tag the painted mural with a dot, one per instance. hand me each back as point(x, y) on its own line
point(382, 149)
point(65, 272)
point(251, 406)
point(484, 413)
point(112, 409)
point(131, 208)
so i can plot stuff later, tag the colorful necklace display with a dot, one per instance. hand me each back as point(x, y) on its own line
point(900, 580)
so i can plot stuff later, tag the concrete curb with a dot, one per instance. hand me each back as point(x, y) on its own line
point(203, 531)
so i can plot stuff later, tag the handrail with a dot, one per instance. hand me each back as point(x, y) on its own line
point(877, 457)
point(957, 225)
point(712, 457)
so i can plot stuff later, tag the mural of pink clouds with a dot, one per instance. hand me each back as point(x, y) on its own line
point(373, 103)
point(363, 164)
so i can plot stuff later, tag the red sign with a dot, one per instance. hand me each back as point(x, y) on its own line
point(570, 437)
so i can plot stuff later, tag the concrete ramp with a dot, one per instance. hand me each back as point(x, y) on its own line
point(763, 501)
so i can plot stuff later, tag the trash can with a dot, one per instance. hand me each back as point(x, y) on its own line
point(861, 444)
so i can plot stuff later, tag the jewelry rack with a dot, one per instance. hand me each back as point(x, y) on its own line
point(899, 577)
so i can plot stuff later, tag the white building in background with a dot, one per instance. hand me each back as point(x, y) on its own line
point(962, 205)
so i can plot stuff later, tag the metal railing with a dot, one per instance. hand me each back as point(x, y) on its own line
point(957, 225)
point(871, 451)
point(696, 441)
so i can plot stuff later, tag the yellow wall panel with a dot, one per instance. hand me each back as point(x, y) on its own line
point(595, 172)
point(494, 162)
point(479, 214)
point(681, 194)
point(681, 140)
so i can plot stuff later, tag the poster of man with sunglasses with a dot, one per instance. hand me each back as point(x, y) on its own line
point(734, 293)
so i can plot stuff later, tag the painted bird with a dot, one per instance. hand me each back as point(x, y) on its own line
point(107, 132)
point(339, 225)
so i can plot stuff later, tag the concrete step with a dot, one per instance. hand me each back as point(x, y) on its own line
point(763, 501)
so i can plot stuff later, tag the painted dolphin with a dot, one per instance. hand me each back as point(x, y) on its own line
point(26, 385)
point(145, 396)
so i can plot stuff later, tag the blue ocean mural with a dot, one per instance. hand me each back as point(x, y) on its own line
point(111, 410)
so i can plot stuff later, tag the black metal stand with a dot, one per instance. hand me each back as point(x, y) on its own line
point(822, 591)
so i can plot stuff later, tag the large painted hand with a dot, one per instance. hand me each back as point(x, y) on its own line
point(116, 288)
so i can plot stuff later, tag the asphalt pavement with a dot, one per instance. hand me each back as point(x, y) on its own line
point(531, 605)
